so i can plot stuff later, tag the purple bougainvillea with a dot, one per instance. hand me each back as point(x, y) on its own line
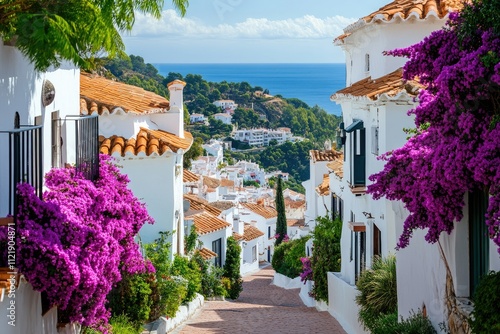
point(457, 145)
point(74, 243)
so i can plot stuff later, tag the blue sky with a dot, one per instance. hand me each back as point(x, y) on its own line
point(244, 31)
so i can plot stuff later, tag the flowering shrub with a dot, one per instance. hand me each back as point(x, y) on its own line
point(287, 255)
point(457, 145)
point(285, 238)
point(73, 244)
point(307, 272)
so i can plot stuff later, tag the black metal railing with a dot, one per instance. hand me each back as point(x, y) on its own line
point(25, 161)
point(87, 145)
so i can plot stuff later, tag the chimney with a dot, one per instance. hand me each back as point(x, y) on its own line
point(176, 106)
point(238, 225)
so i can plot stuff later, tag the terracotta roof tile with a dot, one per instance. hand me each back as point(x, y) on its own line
point(290, 203)
point(264, 211)
point(99, 94)
point(391, 85)
point(211, 182)
point(419, 8)
point(323, 155)
point(197, 203)
point(405, 9)
point(337, 167)
point(207, 223)
point(251, 232)
point(324, 188)
point(295, 222)
point(189, 176)
point(147, 143)
point(226, 183)
point(222, 205)
point(238, 237)
point(206, 253)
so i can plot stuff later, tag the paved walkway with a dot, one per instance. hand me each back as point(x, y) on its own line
point(262, 308)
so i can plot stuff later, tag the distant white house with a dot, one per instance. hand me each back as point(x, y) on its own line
point(226, 105)
point(197, 118)
point(263, 218)
point(263, 137)
point(224, 118)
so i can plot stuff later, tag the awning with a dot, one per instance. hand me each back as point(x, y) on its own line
point(356, 125)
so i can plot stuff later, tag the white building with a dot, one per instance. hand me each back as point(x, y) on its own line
point(40, 112)
point(263, 218)
point(374, 106)
point(262, 137)
point(197, 118)
point(145, 133)
point(227, 105)
point(224, 118)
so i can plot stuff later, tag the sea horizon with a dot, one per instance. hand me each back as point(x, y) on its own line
point(285, 79)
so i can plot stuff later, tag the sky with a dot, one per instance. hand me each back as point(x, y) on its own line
point(244, 31)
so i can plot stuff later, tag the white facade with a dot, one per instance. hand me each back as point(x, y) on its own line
point(372, 127)
point(262, 137)
point(226, 104)
point(265, 225)
point(197, 118)
point(224, 118)
point(21, 89)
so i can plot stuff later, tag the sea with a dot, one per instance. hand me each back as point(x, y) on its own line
point(311, 83)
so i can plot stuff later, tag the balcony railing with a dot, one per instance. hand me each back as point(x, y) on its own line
point(25, 161)
point(86, 143)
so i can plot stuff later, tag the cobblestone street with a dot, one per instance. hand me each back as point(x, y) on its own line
point(262, 308)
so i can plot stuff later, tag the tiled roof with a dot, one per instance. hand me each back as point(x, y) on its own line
point(295, 222)
point(264, 211)
point(238, 237)
point(323, 155)
point(102, 95)
point(197, 203)
point(205, 222)
point(211, 182)
point(405, 9)
point(226, 183)
point(324, 188)
point(391, 85)
point(337, 167)
point(206, 253)
point(189, 176)
point(147, 143)
point(289, 203)
point(251, 232)
point(418, 8)
point(222, 205)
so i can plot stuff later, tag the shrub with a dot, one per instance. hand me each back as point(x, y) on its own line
point(486, 314)
point(122, 325)
point(416, 323)
point(131, 297)
point(190, 270)
point(377, 291)
point(211, 284)
point(288, 262)
point(232, 268)
point(326, 254)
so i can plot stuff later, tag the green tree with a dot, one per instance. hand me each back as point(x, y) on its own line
point(232, 268)
point(47, 32)
point(193, 153)
point(281, 227)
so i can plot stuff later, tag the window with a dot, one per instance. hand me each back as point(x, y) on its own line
point(217, 248)
point(358, 245)
point(269, 232)
point(254, 253)
point(377, 241)
point(341, 209)
point(367, 62)
point(57, 141)
point(478, 238)
point(374, 138)
point(356, 152)
point(334, 206)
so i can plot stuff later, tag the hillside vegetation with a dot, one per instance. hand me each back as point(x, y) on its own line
point(256, 108)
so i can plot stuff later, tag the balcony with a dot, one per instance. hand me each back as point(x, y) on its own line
point(22, 148)
point(85, 141)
